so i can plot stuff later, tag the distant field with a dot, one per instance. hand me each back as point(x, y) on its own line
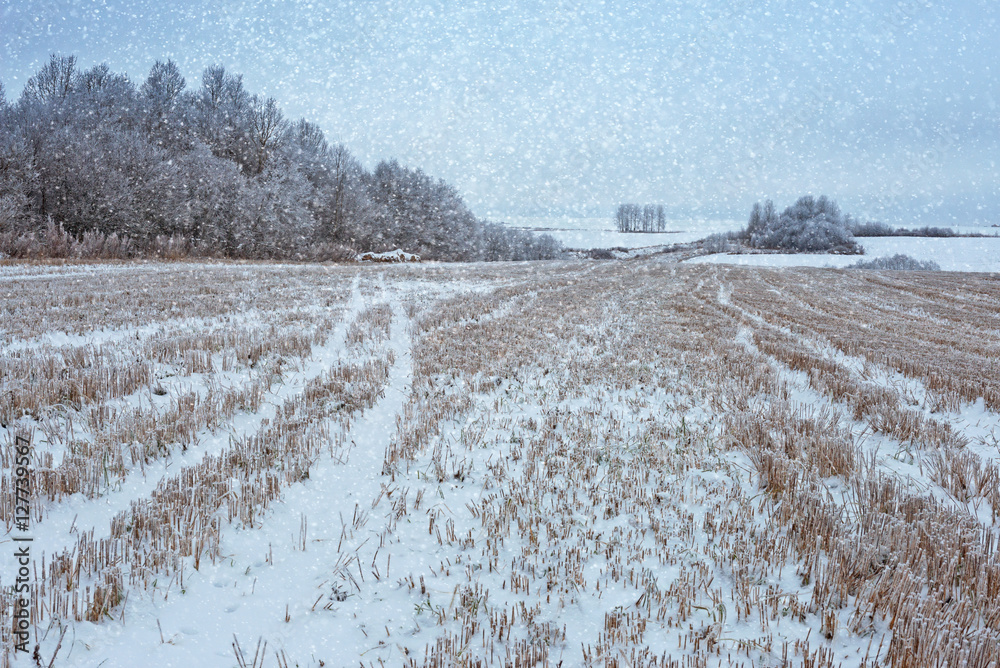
point(951, 254)
point(587, 233)
point(587, 463)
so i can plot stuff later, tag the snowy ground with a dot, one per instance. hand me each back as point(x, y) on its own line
point(952, 254)
point(578, 463)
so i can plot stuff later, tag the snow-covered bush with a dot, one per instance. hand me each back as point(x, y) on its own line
point(876, 229)
point(928, 231)
point(725, 242)
point(898, 262)
point(872, 229)
point(810, 225)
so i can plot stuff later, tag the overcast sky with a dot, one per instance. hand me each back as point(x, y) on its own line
point(532, 107)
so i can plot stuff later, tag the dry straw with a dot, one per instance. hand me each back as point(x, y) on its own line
point(656, 444)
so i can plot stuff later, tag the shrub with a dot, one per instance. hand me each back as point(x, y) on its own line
point(872, 229)
point(876, 229)
point(928, 231)
point(897, 262)
point(725, 242)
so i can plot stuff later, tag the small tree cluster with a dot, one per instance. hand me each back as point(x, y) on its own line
point(218, 170)
point(636, 218)
point(810, 225)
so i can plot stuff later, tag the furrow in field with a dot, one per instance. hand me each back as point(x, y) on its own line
point(59, 528)
point(323, 528)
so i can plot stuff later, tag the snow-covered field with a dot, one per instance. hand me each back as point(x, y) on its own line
point(587, 233)
point(579, 463)
point(951, 254)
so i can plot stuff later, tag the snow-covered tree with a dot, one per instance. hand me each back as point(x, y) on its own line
point(54, 81)
point(635, 218)
point(809, 225)
point(266, 128)
point(89, 154)
point(164, 84)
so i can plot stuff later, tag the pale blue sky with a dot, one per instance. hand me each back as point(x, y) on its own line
point(532, 107)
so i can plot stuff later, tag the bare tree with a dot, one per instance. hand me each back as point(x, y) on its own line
point(349, 207)
point(105, 97)
point(220, 115)
point(213, 85)
point(635, 218)
point(54, 81)
point(266, 126)
point(161, 96)
point(164, 84)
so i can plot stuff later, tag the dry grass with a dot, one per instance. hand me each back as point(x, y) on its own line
point(678, 451)
point(148, 543)
point(673, 333)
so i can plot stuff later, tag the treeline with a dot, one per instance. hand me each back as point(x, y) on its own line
point(93, 165)
point(636, 218)
point(878, 229)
